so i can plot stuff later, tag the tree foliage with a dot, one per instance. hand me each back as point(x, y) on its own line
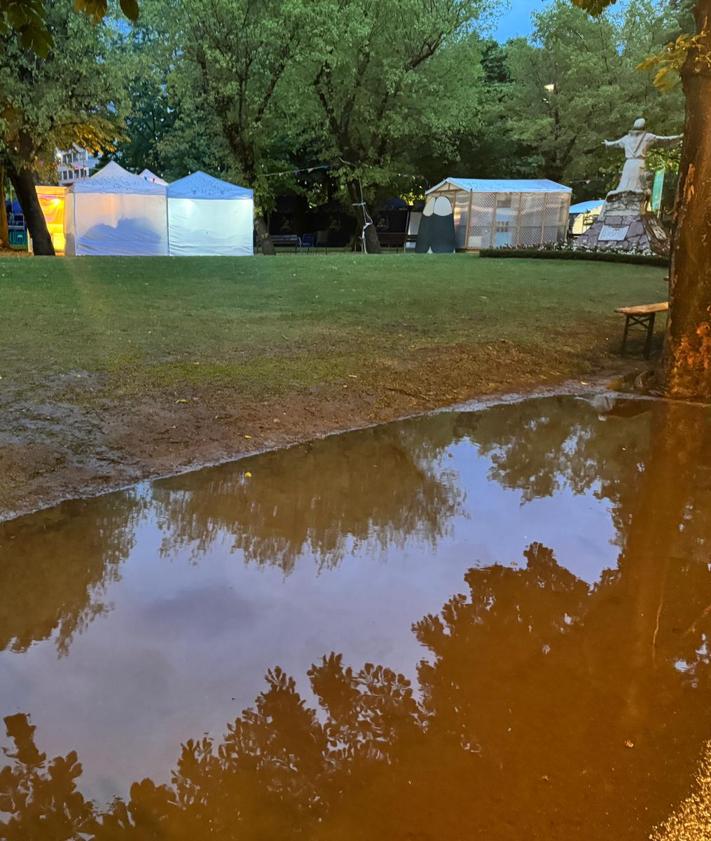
point(30, 21)
point(576, 81)
point(68, 97)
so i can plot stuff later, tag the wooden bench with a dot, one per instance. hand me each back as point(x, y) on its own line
point(643, 316)
point(286, 241)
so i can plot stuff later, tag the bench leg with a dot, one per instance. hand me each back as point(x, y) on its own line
point(650, 334)
point(624, 335)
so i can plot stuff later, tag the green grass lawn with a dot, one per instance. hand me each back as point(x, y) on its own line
point(295, 319)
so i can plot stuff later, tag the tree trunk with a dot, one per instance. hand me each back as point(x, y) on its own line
point(4, 232)
point(687, 349)
point(372, 243)
point(265, 241)
point(24, 184)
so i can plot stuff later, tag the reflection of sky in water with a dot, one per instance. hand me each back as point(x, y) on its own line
point(185, 644)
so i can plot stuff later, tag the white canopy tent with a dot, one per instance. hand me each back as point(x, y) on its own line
point(494, 213)
point(152, 177)
point(207, 216)
point(116, 213)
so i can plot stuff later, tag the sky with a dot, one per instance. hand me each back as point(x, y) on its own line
point(516, 19)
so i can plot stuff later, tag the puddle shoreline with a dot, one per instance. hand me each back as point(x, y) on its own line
point(603, 383)
point(491, 616)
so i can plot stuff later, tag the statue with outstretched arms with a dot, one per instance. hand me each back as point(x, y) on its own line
point(636, 144)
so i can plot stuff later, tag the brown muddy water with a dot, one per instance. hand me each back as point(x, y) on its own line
point(490, 624)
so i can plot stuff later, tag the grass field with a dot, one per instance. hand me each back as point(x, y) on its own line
point(196, 344)
point(294, 320)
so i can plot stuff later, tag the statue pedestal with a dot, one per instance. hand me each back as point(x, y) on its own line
point(625, 225)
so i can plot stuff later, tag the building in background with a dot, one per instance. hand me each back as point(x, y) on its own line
point(74, 164)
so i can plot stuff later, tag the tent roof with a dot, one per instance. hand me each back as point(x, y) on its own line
point(200, 185)
point(115, 179)
point(504, 185)
point(151, 176)
point(586, 206)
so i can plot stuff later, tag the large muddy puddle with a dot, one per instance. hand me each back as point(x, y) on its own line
point(489, 624)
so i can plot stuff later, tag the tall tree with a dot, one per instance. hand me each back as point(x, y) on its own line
point(235, 57)
point(384, 74)
point(68, 97)
point(556, 110)
point(687, 350)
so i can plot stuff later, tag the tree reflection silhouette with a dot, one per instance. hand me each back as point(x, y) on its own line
point(55, 567)
point(520, 723)
point(544, 707)
point(377, 486)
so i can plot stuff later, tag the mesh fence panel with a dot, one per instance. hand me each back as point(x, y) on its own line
point(482, 220)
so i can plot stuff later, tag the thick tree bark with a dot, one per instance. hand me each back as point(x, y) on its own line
point(4, 233)
point(687, 350)
point(265, 241)
point(23, 182)
point(372, 243)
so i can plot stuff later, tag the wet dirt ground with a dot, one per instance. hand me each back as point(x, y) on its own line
point(69, 436)
point(473, 624)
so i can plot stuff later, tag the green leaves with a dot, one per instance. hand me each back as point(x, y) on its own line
point(72, 95)
point(577, 81)
point(28, 19)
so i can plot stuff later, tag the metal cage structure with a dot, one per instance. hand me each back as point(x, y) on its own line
point(518, 213)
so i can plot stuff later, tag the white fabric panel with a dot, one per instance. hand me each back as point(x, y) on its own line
point(147, 175)
point(115, 179)
point(219, 227)
point(200, 185)
point(120, 224)
point(69, 230)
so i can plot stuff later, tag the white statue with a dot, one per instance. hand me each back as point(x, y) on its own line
point(636, 145)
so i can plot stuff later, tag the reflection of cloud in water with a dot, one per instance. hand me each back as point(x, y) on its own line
point(520, 724)
point(564, 662)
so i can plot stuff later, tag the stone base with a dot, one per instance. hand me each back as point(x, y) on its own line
point(625, 225)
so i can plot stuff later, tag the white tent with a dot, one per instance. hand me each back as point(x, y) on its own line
point(209, 216)
point(152, 177)
point(116, 213)
point(494, 213)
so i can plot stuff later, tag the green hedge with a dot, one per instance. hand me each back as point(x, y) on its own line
point(570, 254)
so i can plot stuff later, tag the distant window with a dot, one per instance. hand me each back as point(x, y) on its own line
point(503, 200)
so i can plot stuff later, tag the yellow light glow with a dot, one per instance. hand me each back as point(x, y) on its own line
point(51, 201)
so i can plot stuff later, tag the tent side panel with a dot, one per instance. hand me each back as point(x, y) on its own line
point(120, 224)
point(210, 227)
point(69, 231)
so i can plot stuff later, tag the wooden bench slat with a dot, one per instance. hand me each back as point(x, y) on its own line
point(644, 309)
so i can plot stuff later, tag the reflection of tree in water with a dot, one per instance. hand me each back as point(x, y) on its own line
point(547, 708)
point(540, 446)
point(521, 726)
point(376, 486)
point(55, 567)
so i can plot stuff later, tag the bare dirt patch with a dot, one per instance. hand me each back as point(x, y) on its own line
point(71, 436)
